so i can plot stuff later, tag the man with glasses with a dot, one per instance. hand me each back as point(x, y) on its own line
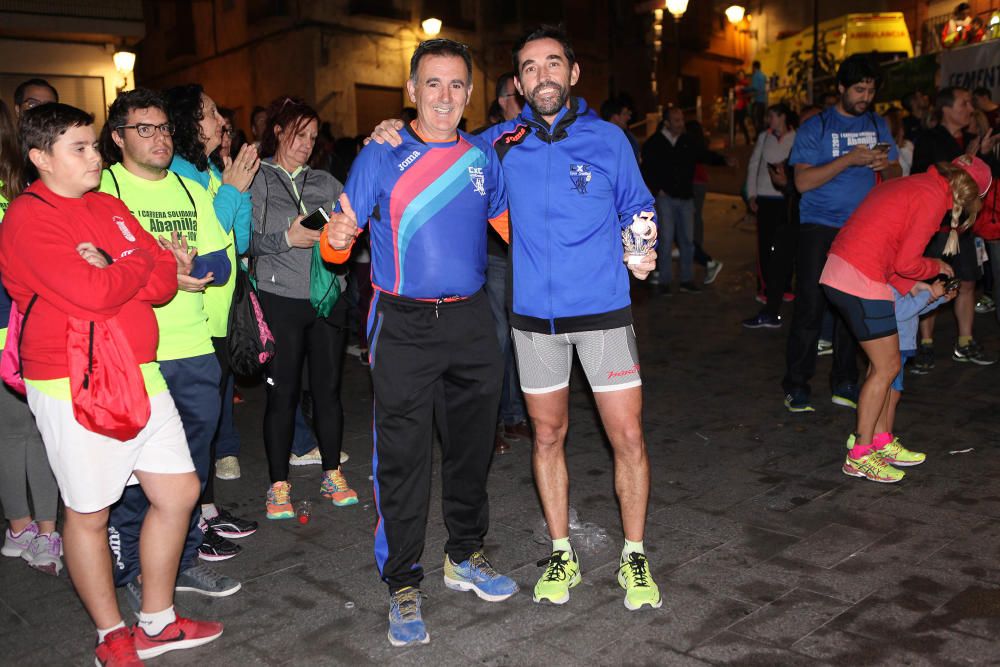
point(137, 142)
point(33, 93)
point(432, 347)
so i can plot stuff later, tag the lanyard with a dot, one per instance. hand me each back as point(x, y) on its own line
point(296, 196)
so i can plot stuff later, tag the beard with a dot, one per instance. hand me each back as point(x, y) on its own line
point(855, 108)
point(550, 106)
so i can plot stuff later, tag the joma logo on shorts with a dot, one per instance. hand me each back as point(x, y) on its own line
point(409, 160)
point(624, 373)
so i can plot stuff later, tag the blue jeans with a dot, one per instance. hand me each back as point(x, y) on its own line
point(993, 249)
point(227, 439)
point(676, 218)
point(194, 386)
point(511, 401)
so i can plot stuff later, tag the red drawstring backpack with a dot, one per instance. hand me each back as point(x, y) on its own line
point(108, 390)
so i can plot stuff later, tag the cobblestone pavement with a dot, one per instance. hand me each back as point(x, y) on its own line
point(766, 553)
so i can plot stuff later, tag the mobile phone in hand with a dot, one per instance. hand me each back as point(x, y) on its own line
point(315, 220)
point(882, 147)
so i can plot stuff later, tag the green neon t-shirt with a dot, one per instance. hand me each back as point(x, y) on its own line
point(219, 299)
point(161, 207)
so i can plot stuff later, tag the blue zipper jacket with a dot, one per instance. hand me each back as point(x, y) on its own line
point(572, 188)
point(232, 207)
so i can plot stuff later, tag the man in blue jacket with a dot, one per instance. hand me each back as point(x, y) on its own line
point(573, 186)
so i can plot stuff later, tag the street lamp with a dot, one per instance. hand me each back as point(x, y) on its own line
point(431, 27)
point(677, 9)
point(735, 14)
point(124, 63)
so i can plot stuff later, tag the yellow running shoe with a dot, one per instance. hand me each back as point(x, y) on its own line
point(873, 467)
point(640, 589)
point(562, 572)
point(895, 454)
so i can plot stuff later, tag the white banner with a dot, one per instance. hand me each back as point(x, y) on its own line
point(973, 67)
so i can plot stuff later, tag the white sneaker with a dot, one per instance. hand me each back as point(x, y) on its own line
point(14, 546)
point(310, 458)
point(227, 468)
point(45, 553)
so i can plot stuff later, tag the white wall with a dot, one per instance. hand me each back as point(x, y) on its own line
point(36, 58)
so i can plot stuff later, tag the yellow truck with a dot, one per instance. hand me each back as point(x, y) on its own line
point(787, 62)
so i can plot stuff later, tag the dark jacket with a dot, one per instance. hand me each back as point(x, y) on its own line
point(670, 168)
point(937, 145)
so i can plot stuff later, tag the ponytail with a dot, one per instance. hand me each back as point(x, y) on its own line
point(964, 199)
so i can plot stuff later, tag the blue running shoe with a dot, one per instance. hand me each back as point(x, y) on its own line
point(763, 320)
point(798, 401)
point(846, 395)
point(406, 625)
point(477, 575)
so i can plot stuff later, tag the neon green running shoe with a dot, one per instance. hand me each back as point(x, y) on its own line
point(562, 572)
point(873, 467)
point(895, 454)
point(640, 589)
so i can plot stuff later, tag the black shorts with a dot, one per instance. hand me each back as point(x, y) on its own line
point(965, 263)
point(867, 319)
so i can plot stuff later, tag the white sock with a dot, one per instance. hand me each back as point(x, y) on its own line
point(632, 548)
point(153, 624)
point(101, 634)
point(209, 511)
point(562, 544)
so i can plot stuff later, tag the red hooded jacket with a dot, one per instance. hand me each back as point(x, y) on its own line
point(38, 255)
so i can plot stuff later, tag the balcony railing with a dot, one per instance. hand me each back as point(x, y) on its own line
point(934, 26)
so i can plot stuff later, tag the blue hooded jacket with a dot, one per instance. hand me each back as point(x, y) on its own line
point(572, 188)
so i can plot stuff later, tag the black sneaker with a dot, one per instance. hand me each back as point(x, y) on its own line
point(689, 287)
point(231, 527)
point(214, 547)
point(973, 352)
point(924, 361)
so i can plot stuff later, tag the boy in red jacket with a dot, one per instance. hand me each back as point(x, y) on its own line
point(83, 255)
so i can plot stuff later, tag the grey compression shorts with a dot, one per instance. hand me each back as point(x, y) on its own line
point(608, 356)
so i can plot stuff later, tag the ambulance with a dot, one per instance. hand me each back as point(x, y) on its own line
point(788, 61)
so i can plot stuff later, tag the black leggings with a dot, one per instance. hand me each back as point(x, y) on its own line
point(775, 250)
point(300, 335)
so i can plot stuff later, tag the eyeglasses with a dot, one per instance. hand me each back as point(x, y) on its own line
point(228, 131)
point(146, 130)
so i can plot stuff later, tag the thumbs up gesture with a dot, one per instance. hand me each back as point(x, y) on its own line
point(343, 227)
